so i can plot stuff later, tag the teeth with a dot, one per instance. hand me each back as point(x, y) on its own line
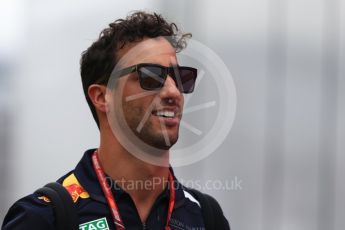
point(166, 114)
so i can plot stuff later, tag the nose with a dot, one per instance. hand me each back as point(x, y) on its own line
point(170, 90)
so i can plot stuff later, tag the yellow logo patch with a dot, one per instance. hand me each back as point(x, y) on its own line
point(74, 188)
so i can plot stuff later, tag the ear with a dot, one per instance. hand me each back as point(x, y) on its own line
point(97, 94)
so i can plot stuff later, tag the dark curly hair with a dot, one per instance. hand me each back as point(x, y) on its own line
point(98, 61)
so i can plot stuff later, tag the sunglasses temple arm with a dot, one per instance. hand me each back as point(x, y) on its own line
point(125, 71)
point(119, 73)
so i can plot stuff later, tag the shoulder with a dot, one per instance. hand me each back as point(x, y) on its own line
point(31, 211)
point(211, 210)
point(34, 210)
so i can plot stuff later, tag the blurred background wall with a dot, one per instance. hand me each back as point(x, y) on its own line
point(286, 144)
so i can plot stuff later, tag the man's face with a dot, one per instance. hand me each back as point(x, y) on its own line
point(153, 116)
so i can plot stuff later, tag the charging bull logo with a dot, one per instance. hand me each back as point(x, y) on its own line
point(72, 185)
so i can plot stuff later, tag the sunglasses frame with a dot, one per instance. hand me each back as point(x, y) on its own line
point(172, 71)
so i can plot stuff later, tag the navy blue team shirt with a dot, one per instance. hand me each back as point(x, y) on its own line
point(36, 212)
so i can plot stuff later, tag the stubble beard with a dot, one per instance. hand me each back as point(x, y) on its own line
point(148, 133)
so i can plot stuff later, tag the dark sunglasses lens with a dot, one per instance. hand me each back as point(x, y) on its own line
point(151, 77)
point(188, 78)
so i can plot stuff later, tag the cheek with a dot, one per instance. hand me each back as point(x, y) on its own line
point(134, 96)
point(131, 112)
point(182, 103)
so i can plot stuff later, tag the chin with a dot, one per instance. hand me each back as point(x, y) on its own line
point(158, 141)
point(154, 136)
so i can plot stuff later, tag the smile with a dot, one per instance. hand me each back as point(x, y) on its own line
point(170, 117)
point(167, 114)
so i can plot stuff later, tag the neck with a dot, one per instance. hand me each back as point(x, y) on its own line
point(121, 166)
point(141, 180)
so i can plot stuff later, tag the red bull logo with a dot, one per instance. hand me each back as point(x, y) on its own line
point(74, 188)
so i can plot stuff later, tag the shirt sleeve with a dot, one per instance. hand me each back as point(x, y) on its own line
point(31, 212)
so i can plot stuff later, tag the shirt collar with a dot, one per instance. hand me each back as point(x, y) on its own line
point(87, 177)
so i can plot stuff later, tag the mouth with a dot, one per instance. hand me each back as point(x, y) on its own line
point(169, 116)
point(164, 113)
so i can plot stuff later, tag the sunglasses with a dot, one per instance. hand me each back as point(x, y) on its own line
point(153, 76)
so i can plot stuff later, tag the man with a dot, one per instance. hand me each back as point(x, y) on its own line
point(134, 87)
